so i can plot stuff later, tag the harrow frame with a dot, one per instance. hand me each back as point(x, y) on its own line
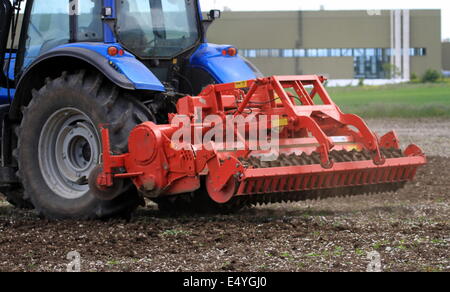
point(311, 133)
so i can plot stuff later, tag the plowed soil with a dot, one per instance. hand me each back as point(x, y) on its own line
point(410, 230)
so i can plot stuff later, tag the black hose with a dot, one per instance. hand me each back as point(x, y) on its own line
point(186, 80)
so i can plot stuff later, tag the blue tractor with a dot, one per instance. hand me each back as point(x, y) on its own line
point(69, 66)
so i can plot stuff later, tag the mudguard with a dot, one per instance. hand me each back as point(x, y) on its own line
point(125, 71)
point(224, 68)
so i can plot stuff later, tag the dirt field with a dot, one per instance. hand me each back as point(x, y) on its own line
point(410, 230)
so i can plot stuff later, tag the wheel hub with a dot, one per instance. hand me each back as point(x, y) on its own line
point(69, 150)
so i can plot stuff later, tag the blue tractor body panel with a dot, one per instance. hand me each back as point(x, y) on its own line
point(208, 57)
point(4, 97)
point(108, 34)
point(11, 68)
point(127, 65)
point(224, 68)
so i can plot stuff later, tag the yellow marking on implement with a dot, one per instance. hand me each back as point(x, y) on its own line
point(277, 99)
point(241, 84)
point(353, 147)
point(283, 122)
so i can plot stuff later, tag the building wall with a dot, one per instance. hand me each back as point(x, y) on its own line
point(256, 29)
point(446, 56)
point(325, 30)
point(346, 29)
point(342, 68)
point(426, 33)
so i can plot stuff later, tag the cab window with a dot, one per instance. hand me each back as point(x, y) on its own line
point(89, 21)
point(48, 27)
point(157, 28)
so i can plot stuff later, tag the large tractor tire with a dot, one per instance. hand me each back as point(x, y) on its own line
point(59, 145)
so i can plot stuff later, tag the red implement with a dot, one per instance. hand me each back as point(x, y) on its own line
point(313, 146)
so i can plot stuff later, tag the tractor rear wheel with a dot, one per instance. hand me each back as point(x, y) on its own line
point(59, 145)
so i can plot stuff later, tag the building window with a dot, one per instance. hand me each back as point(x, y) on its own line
point(359, 52)
point(325, 53)
point(369, 63)
point(288, 53)
point(370, 52)
point(418, 52)
point(251, 53)
point(322, 53)
point(299, 53)
point(275, 53)
point(312, 53)
point(336, 53)
point(263, 53)
point(347, 52)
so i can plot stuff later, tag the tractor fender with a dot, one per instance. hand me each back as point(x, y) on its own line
point(125, 71)
point(223, 68)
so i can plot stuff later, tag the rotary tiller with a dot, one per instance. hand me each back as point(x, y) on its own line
point(321, 152)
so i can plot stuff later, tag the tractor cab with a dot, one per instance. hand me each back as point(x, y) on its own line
point(158, 29)
point(154, 31)
point(162, 34)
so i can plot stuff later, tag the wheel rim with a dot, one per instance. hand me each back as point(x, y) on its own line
point(69, 149)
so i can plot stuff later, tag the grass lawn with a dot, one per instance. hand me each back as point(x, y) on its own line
point(403, 100)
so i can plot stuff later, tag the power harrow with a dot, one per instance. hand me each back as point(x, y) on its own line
point(311, 148)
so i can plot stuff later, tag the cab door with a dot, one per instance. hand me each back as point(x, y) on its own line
point(46, 26)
